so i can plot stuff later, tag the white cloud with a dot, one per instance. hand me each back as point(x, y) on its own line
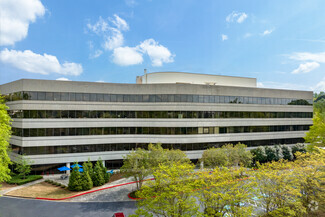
point(224, 37)
point(267, 32)
point(131, 3)
point(114, 40)
point(35, 63)
point(238, 17)
point(62, 79)
point(96, 54)
point(320, 86)
point(277, 85)
point(260, 84)
point(158, 54)
point(99, 27)
point(15, 17)
point(111, 31)
point(306, 56)
point(120, 23)
point(126, 56)
point(100, 81)
point(306, 67)
point(247, 35)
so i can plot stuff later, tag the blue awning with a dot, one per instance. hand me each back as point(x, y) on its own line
point(74, 165)
point(64, 168)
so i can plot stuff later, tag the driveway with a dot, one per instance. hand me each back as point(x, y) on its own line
point(17, 207)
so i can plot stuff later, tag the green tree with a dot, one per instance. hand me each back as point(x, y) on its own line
point(259, 154)
point(98, 177)
point(278, 190)
point(87, 182)
point(214, 157)
point(23, 166)
point(310, 169)
point(223, 193)
point(316, 133)
point(245, 157)
point(5, 133)
point(75, 180)
point(228, 155)
point(171, 194)
point(136, 165)
point(299, 147)
point(287, 152)
point(106, 175)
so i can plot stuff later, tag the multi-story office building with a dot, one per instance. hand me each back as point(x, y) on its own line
point(59, 122)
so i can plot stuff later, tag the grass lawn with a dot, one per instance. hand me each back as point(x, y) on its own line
point(42, 189)
point(5, 186)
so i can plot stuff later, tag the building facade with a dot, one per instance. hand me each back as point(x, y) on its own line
point(60, 122)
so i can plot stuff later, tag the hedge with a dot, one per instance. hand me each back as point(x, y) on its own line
point(19, 181)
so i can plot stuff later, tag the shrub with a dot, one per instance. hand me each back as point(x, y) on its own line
point(259, 154)
point(287, 152)
point(20, 181)
point(299, 147)
point(75, 180)
point(98, 178)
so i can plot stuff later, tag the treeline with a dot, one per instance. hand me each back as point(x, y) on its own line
point(316, 134)
point(276, 188)
point(89, 177)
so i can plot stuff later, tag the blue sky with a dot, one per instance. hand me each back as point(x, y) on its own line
point(281, 43)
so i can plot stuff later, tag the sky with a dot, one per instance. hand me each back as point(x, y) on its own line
point(281, 43)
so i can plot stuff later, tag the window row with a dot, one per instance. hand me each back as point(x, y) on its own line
point(130, 146)
point(152, 114)
point(35, 132)
point(101, 97)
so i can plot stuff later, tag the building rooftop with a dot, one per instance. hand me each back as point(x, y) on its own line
point(194, 78)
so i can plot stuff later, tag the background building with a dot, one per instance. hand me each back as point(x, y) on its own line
point(59, 122)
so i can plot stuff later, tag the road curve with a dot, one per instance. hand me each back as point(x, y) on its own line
point(19, 207)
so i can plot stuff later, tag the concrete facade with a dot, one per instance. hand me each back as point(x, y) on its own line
point(236, 89)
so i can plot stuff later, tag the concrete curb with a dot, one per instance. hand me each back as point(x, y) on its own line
point(88, 192)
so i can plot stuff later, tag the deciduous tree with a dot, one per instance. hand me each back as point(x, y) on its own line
point(23, 166)
point(225, 192)
point(171, 194)
point(136, 165)
point(5, 133)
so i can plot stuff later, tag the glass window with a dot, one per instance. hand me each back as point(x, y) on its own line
point(171, 98)
point(211, 99)
point(79, 97)
point(107, 97)
point(183, 98)
point(195, 98)
point(132, 98)
point(33, 95)
point(72, 96)
point(65, 96)
point(41, 96)
point(100, 97)
point(56, 96)
point(126, 98)
point(64, 114)
point(152, 98)
point(86, 96)
point(93, 97)
point(41, 114)
point(222, 99)
point(119, 98)
point(201, 99)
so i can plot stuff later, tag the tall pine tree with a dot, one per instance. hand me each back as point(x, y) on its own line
point(75, 180)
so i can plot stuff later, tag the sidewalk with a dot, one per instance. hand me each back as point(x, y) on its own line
point(2, 192)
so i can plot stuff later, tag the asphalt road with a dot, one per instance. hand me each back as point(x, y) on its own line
point(16, 207)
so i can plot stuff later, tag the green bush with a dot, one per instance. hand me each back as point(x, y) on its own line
point(75, 180)
point(20, 181)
